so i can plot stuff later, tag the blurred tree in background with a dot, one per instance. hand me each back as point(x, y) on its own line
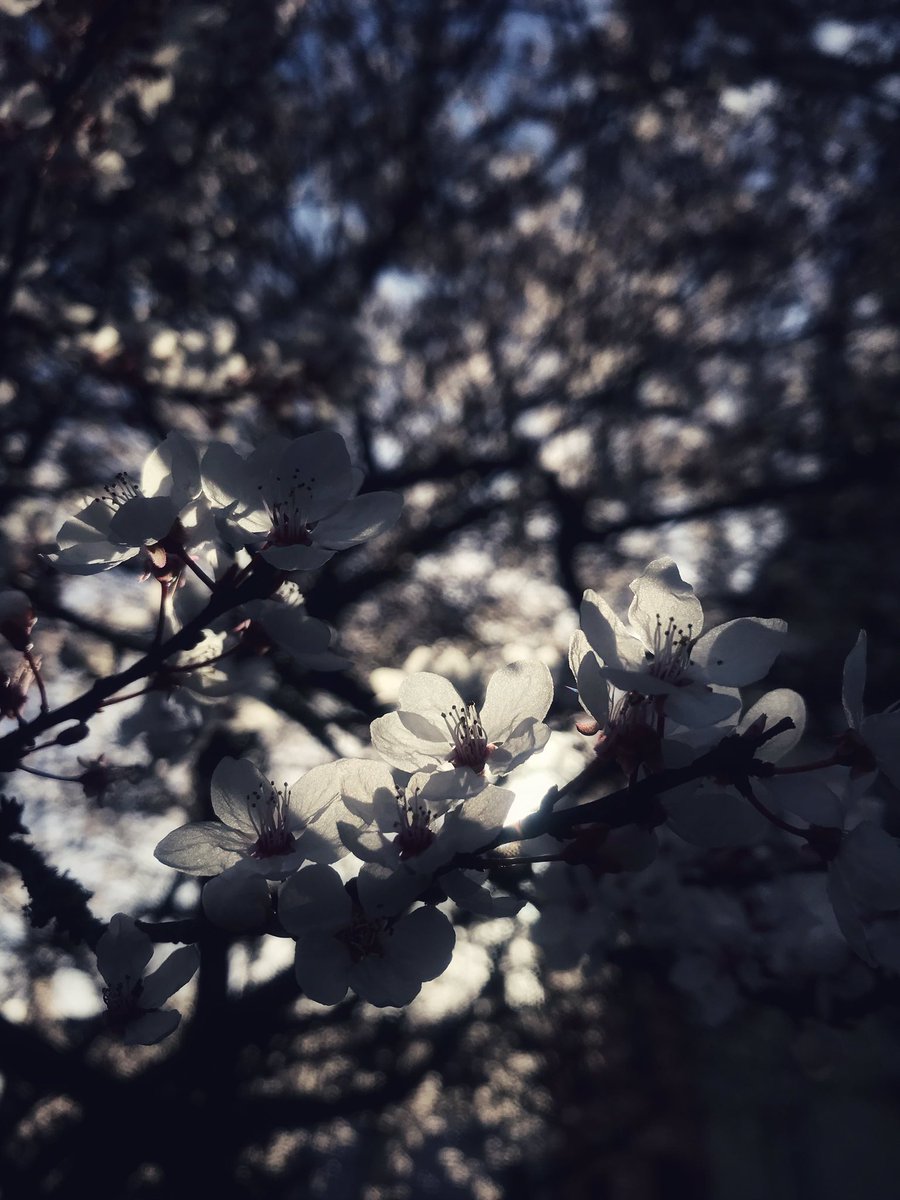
point(588, 282)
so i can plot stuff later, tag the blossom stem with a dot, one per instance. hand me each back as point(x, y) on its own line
point(161, 616)
point(197, 569)
point(50, 774)
point(801, 767)
point(36, 671)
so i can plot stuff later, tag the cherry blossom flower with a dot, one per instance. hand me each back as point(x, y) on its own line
point(130, 516)
point(422, 825)
point(272, 829)
point(351, 943)
point(299, 496)
point(872, 741)
point(134, 1001)
point(435, 727)
point(662, 652)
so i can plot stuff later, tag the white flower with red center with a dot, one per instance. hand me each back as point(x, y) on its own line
point(435, 727)
point(270, 829)
point(130, 516)
point(346, 941)
point(423, 824)
point(661, 652)
point(299, 497)
point(134, 1001)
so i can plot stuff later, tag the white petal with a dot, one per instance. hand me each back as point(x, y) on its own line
point(661, 596)
point(172, 469)
point(468, 890)
point(378, 981)
point(314, 898)
point(782, 702)
point(238, 900)
point(143, 520)
point(236, 784)
point(151, 1027)
point(384, 892)
point(322, 967)
point(123, 951)
point(362, 779)
point(739, 652)
point(429, 695)
point(320, 463)
point(170, 977)
point(85, 526)
point(421, 944)
point(695, 705)
point(202, 848)
point(297, 558)
point(854, 682)
point(518, 691)
point(614, 644)
point(404, 749)
point(359, 519)
point(637, 681)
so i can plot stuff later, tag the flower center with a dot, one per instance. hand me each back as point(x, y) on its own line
point(469, 746)
point(290, 525)
point(122, 1002)
point(414, 832)
point(269, 810)
point(120, 491)
point(671, 653)
point(363, 937)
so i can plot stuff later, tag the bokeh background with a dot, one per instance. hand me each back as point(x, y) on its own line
point(588, 282)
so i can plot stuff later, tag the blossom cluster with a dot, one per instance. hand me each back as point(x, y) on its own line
point(360, 861)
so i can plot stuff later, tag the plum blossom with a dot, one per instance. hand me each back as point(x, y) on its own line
point(345, 942)
point(270, 829)
point(872, 741)
point(422, 825)
point(134, 1001)
point(661, 651)
point(434, 727)
point(299, 497)
point(132, 516)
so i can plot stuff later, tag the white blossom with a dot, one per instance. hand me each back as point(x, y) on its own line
point(435, 727)
point(271, 828)
point(351, 943)
point(661, 651)
point(421, 825)
point(298, 497)
point(134, 1001)
point(130, 516)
